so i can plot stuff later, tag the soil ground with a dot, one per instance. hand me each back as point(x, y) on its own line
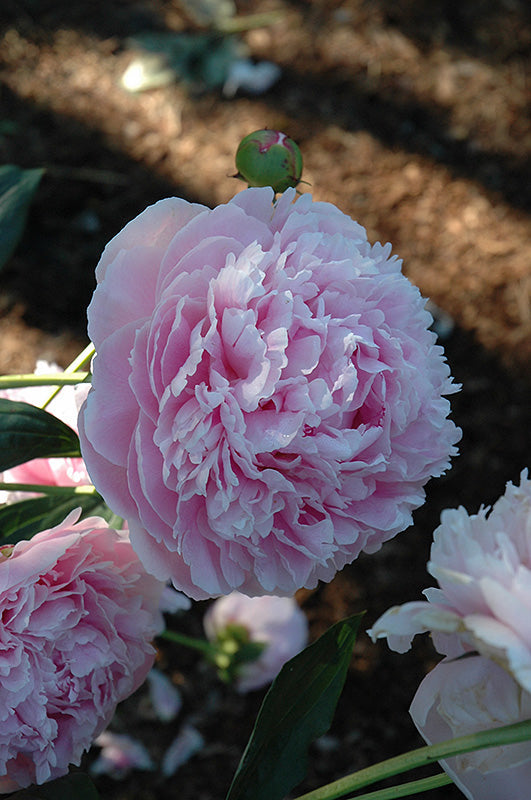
point(412, 117)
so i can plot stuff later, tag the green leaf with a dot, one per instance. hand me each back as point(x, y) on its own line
point(28, 432)
point(76, 785)
point(17, 187)
point(298, 708)
point(23, 520)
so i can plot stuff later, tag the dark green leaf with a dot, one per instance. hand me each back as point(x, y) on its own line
point(76, 785)
point(17, 187)
point(28, 432)
point(23, 520)
point(298, 708)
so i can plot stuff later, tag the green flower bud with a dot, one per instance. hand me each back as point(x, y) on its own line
point(269, 158)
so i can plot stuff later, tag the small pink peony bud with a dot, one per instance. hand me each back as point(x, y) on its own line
point(269, 158)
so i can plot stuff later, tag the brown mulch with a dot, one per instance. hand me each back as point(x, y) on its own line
point(412, 117)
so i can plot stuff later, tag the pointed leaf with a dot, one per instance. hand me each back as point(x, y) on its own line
point(28, 432)
point(297, 709)
point(76, 785)
point(17, 187)
point(23, 520)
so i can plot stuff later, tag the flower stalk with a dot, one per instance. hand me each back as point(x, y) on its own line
point(41, 488)
point(78, 363)
point(406, 789)
point(190, 641)
point(508, 734)
point(51, 379)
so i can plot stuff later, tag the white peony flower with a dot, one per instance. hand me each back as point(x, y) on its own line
point(483, 566)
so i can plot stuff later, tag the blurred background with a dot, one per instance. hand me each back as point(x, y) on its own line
point(413, 118)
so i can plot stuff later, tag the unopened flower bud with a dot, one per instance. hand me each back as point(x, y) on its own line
point(269, 158)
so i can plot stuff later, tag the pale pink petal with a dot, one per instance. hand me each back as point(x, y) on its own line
point(155, 226)
point(165, 697)
point(119, 755)
point(482, 563)
point(186, 744)
point(466, 696)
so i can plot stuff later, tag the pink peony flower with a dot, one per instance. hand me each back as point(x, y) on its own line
point(78, 612)
point(483, 566)
point(466, 696)
point(276, 622)
point(48, 471)
point(267, 399)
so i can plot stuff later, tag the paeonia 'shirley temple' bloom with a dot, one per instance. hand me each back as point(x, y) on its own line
point(483, 566)
point(276, 622)
point(48, 471)
point(267, 397)
point(78, 612)
point(479, 619)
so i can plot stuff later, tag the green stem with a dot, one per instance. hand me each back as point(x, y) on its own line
point(53, 379)
point(190, 641)
point(45, 489)
point(406, 789)
point(508, 734)
point(80, 361)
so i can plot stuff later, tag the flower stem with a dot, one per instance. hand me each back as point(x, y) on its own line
point(46, 489)
point(80, 361)
point(53, 379)
point(406, 789)
point(190, 641)
point(508, 734)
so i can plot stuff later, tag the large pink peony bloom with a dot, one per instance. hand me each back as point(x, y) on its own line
point(48, 471)
point(466, 696)
point(276, 622)
point(483, 606)
point(267, 399)
point(483, 565)
point(78, 612)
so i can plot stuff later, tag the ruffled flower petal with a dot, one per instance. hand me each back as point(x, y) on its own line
point(268, 400)
point(78, 615)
